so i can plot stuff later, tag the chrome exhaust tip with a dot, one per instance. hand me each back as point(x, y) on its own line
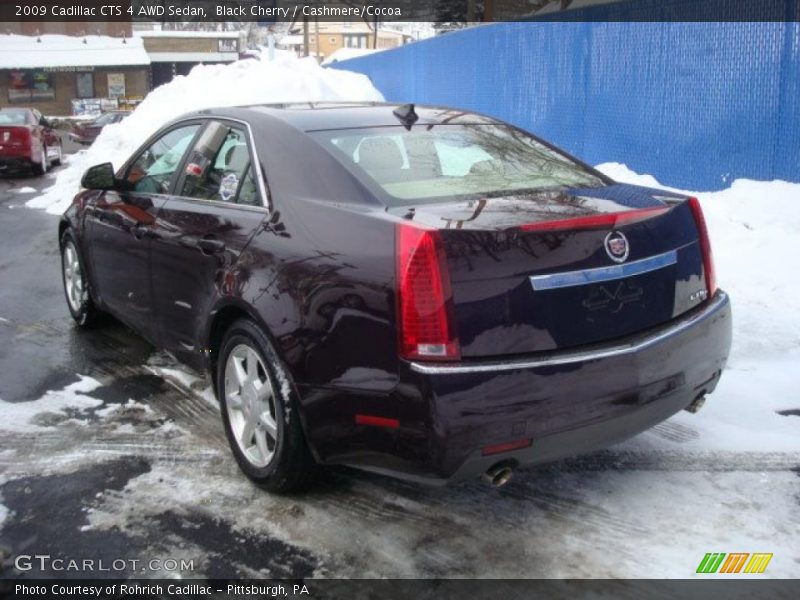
point(498, 475)
point(696, 404)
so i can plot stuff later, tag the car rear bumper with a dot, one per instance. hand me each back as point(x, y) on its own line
point(564, 403)
point(9, 161)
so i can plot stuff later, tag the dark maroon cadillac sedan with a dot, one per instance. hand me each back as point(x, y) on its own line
point(416, 291)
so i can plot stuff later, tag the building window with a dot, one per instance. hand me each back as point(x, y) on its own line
point(355, 41)
point(30, 85)
point(84, 85)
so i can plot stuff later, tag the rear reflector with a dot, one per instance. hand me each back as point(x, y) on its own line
point(606, 220)
point(507, 447)
point(424, 296)
point(377, 421)
point(705, 246)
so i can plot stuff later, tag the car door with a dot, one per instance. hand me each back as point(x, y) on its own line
point(204, 227)
point(121, 226)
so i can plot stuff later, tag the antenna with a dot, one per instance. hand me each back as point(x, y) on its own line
point(406, 115)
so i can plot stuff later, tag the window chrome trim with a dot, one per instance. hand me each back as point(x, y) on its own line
point(719, 302)
point(555, 281)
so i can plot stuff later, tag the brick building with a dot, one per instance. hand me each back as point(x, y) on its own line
point(174, 53)
point(62, 74)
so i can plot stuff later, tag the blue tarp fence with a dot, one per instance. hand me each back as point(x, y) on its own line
point(695, 104)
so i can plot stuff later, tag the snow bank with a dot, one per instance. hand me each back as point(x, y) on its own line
point(755, 235)
point(285, 79)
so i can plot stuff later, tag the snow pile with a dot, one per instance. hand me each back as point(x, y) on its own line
point(346, 54)
point(285, 79)
point(755, 236)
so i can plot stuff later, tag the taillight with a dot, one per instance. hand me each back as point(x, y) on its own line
point(19, 136)
point(424, 296)
point(705, 246)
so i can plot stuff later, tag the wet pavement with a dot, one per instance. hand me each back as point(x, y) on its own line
point(111, 451)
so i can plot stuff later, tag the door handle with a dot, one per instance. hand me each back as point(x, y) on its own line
point(210, 246)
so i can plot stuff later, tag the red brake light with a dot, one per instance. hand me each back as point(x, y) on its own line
point(705, 246)
point(424, 296)
point(377, 421)
point(606, 220)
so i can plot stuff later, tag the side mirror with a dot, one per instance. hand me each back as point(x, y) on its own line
point(99, 177)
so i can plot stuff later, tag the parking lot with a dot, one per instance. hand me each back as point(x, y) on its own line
point(111, 450)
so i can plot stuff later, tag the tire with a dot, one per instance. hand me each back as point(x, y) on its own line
point(260, 417)
point(58, 161)
point(40, 168)
point(76, 288)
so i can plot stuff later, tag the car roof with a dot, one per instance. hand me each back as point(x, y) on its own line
point(318, 116)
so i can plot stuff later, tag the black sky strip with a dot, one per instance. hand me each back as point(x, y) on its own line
point(451, 11)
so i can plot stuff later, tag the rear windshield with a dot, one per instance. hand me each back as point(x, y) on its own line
point(13, 116)
point(432, 163)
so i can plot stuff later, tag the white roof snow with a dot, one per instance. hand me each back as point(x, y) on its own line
point(51, 50)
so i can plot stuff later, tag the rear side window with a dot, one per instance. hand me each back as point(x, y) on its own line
point(153, 169)
point(219, 167)
point(432, 163)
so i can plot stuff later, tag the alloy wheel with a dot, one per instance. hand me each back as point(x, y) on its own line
point(250, 401)
point(73, 277)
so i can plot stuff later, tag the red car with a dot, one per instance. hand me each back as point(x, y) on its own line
point(86, 133)
point(27, 140)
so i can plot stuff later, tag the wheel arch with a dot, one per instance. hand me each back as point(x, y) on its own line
point(227, 312)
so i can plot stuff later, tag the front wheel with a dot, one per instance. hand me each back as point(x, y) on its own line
point(261, 422)
point(76, 289)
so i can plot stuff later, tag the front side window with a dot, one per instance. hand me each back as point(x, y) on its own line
point(153, 169)
point(431, 163)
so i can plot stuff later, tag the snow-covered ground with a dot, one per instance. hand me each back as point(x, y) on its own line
point(285, 79)
point(755, 236)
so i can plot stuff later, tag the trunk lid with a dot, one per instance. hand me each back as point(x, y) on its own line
point(538, 272)
point(16, 137)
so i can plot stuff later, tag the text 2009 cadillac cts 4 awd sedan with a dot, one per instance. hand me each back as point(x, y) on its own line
point(416, 291)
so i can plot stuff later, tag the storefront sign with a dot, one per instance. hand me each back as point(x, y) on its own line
point(66, 69)
point(116, 85)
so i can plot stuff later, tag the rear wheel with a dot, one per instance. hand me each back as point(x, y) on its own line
point(40, 168)
point(76, 289)
point(59, 158)
point(261, 421)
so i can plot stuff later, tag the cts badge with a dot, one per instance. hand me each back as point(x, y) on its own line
point(617, 246)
